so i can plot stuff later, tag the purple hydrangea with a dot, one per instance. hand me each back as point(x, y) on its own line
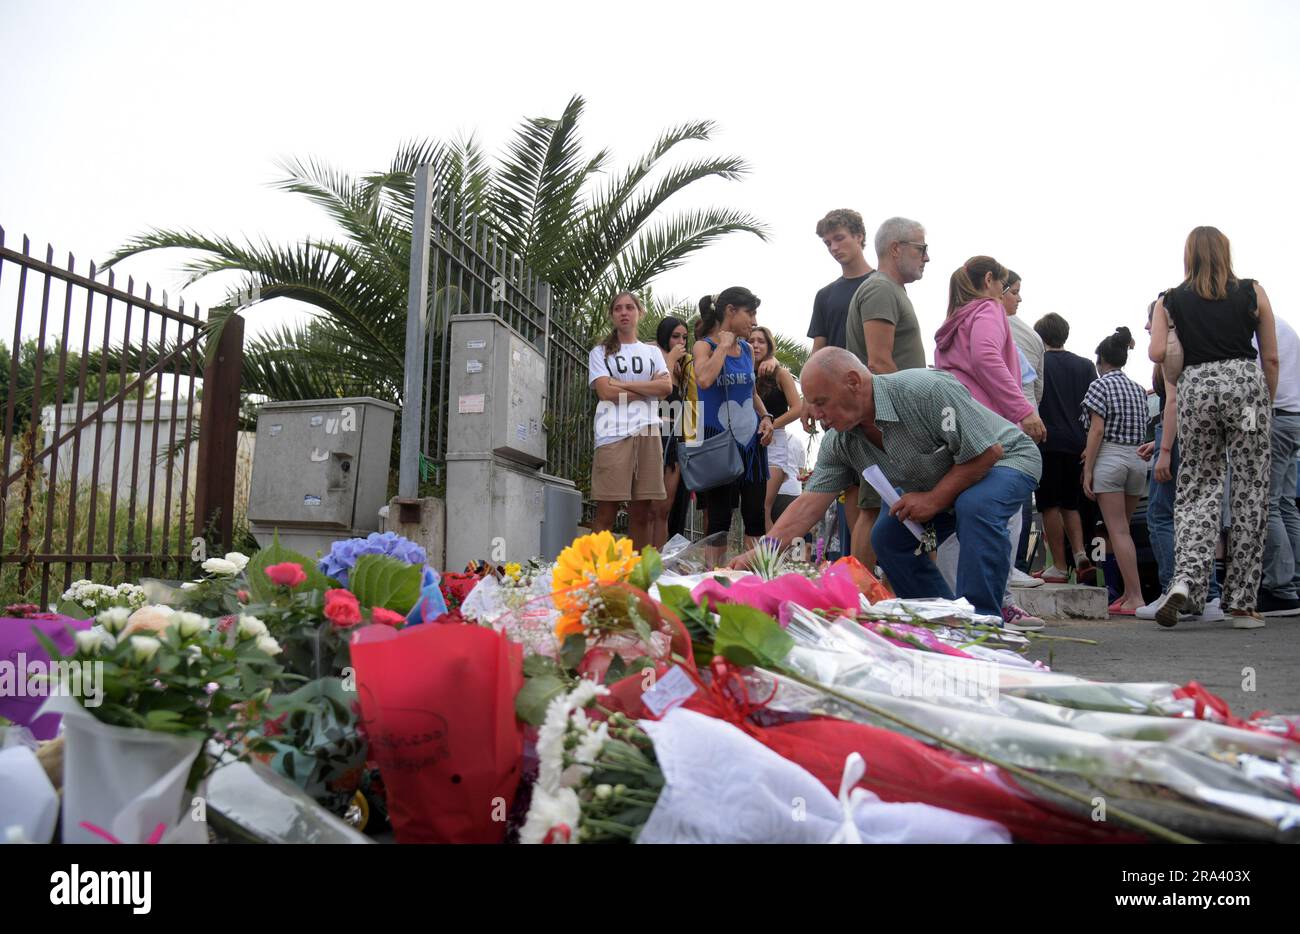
point(343, 555)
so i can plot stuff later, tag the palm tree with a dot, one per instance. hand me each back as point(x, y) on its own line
point(577, 226)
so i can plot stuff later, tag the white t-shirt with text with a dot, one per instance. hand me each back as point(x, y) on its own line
point(631, 363)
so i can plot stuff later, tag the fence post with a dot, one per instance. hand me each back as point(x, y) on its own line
point(417, 304)
point(214, 496)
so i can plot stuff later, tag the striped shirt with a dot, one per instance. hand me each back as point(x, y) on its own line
point(1122, 405)
point(928, 422)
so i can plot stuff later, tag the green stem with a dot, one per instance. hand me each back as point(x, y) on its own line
point(1140, 823)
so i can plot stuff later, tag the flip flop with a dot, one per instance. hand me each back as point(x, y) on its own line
point(1115, 609)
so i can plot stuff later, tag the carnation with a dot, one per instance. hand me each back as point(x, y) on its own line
point(286, 574)
point(343, 555)
point(342, 608)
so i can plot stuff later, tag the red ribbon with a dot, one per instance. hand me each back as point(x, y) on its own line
point(1203, 700)
point(560, 833)
point(154, 837)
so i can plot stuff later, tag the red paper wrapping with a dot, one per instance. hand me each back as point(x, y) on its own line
point(438, 708)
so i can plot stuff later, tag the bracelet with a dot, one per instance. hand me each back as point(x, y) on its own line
point(767, 416)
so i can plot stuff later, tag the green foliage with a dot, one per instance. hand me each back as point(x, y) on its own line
point(647, 570)
point(260, 586)
point(586, 230)
point(378, 580)
point(750, 637)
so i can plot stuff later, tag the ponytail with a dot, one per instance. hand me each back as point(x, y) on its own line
point(713, 308)
point(1114, 349)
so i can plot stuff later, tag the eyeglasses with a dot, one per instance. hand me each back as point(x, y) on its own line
point(923, 247)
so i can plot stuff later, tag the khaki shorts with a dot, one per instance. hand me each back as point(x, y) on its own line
point(868, 498)
point(629, 470)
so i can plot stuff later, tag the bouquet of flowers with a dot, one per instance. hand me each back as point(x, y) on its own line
point(148, 712)
point(85, 599)
point(343, 555)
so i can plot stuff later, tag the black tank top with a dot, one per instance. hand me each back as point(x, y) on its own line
point(1214, 330)
point(774, 401)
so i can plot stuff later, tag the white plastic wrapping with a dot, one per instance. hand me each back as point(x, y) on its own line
point(124, 781)
point(722, 786)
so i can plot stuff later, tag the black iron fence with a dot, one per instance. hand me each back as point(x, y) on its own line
point(105, 471)
point(470, 272)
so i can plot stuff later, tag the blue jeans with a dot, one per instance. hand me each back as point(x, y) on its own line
point(1282, 549)
point(1022, 547)
point(1160, 518)
point(979, 517)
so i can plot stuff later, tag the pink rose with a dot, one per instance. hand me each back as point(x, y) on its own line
point(386, 617)
point(288, 574)
point(342, 608)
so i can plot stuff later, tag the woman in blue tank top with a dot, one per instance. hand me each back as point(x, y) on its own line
point(723, 373)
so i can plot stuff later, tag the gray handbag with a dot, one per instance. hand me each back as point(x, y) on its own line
point(713, 462)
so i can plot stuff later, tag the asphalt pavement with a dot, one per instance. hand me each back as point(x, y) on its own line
point(1251, 669)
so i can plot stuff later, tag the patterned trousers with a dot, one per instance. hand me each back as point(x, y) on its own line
point(1223, 413)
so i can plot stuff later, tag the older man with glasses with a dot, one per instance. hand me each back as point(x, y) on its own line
point(883, 332)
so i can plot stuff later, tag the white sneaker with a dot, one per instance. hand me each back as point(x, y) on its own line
point(1017, 620)
point(1170, 611)
point(1212, 613)
point(1020, 579)
point(1149, 611)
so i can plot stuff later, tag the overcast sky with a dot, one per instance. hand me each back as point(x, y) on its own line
point(1076, 143)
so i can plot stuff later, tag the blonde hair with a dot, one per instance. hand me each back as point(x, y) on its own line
point(1207, 263)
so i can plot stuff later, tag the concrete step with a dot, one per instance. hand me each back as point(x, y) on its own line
point(1063, 601)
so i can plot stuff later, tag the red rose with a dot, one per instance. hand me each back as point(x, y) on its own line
point(386, 617)
point(342, 608)
point(241, 596)
point(288, 574)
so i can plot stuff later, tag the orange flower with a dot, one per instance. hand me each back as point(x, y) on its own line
point(599, 558)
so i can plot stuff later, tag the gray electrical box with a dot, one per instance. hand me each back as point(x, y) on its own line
point(496, 391)
point(320, 470)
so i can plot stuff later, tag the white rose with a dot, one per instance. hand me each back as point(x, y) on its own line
point(191, 624)
point(114, 620)
point(250, 627)
point(89, 641)
point(146, 647)
point(190, 585)
point(268, 645)
point(220, 567)
point(240, 561)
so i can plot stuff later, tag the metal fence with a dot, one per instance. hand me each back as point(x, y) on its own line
point(98, 473)
point(469, 271)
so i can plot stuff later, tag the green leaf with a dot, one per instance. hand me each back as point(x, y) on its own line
point(534, 697)
point(573, 650)
point(535, 665)
point(378, 580)
point(647, 570)
point(617, 669)
point(158, 718)
point(260, 586)
point(69, 608)
point(749, 637)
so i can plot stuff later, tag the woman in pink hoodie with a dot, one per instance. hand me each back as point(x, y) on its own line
point(975, 344)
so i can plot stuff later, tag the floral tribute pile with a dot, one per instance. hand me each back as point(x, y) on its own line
point(615, 696)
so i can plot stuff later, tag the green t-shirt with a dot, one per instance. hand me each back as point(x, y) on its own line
point(880, 298)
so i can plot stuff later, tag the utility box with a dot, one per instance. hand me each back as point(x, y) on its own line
point(561, 515)
point(496, 392)
point(320, 470)
point(494, 510)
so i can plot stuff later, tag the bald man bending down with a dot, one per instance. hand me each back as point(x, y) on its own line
point(962, 470)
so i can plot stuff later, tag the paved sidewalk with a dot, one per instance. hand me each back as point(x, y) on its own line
point(1214, 654)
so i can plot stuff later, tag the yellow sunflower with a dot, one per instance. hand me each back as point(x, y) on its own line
point(599, 558)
